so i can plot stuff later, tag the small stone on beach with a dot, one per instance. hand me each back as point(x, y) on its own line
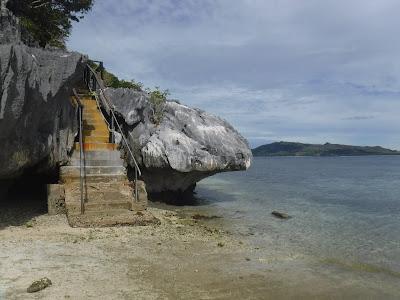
point(39, 285)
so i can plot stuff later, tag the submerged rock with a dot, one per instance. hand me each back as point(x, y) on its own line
point(186, 146)
point(204, 217)
point(280, 215)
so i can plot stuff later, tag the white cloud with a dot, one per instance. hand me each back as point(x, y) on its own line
point(277, 70)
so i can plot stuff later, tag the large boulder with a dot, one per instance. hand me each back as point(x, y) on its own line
point(186, 146)
point(37, 120)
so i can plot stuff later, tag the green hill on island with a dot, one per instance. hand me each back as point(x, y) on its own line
point(299, 149)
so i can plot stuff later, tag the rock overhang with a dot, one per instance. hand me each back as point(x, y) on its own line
point(189, 143)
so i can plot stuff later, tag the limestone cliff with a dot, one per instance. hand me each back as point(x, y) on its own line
point(37, 120)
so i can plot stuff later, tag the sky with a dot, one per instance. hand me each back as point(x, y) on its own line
point(308, 71)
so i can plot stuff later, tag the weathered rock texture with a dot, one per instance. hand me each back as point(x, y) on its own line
point(188, 145)
point(37, 119)
point(9, 27)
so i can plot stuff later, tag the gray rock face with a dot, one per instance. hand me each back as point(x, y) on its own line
point(9, 27)
point(188, 145)
point(37, 119)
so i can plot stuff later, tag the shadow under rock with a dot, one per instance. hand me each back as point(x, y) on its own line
point(199, 197)
point(21, 201)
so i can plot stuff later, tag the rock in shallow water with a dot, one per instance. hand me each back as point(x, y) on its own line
point(186, 146)
point(280, 215)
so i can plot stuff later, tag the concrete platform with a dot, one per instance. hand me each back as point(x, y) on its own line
point(73, 171)
point(99, 155)
point(98, 162)
point(112, 218)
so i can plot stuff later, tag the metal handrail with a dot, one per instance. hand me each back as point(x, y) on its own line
point(96, 87)
point(81, 164)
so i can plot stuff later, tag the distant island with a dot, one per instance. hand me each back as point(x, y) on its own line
point(300, 149)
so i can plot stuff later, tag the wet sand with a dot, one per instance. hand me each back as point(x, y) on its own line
point(183, 258)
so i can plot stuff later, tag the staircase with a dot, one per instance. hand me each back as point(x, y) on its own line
point(107, 193)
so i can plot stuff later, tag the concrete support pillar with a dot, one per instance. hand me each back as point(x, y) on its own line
point(56, 199)
point(141, 202)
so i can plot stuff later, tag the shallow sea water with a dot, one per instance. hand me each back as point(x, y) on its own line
point(345, 213)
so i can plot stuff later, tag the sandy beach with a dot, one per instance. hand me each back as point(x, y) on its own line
point(187, 256)
point(175, 260)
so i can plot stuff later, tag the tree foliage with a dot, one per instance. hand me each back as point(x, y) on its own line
point(49, 21)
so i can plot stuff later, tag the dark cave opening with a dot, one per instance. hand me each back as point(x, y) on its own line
point(22, 200)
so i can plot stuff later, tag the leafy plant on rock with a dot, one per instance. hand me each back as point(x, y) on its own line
point(158, 98)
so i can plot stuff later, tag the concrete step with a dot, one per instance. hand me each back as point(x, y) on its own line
point(75, 208)
point(88, 128)
point(94, 122)
point(95, 178)
point(87, 106)
point(92, 115)
point(88, 100)
point(96, 132)
point(114, 155)
point(91, 110)
point(96, 139)
point(100, 127)
point(106, 189)
point(74, 171)
point(76, 162)
point(91, 107)
point(96, 115)
point(96, 146)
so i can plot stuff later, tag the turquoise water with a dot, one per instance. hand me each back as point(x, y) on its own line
point(345, 210)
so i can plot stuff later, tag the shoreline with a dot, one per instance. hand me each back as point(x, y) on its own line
point(184, 257)
point(332, 156)
point(121, 262)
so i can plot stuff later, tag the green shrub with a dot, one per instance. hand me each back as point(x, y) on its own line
point(158, 98)
point(110, 80)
